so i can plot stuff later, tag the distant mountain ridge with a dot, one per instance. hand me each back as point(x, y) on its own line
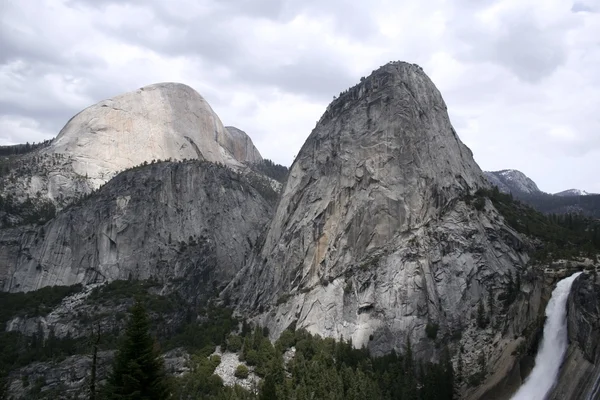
point(512, 181)
point(525, 189)
point(574, 192)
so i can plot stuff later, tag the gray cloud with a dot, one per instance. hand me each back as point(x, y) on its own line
point(519, 78)
point(582, 7)
point(528, 50)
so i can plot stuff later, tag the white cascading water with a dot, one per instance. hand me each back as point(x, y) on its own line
point(553, 347)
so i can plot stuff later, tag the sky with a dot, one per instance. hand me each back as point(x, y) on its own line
point(521, 78)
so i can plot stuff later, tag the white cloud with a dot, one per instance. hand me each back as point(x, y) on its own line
point(520, 77)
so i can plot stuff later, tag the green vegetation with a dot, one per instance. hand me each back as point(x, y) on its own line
point(431, 329)
point(31, 211)
point(241, 372)
point(196, 329)
point(19, 350)
point(481, 319)
point(563, 236)
point(549, 204)
point(283, 298)
point(17, 149)
point(116, 292)
point(33, 304)
point(138, 369)
point(234, 343)
point(272, 170)
point(207, 333)
point(321, 368)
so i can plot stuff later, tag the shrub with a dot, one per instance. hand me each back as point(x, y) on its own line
point(286, 340)
point(252, 357)
point(241, 372)
point(432, 330)
point(215, 360)
point(234, 343)
point(479, 203)
point(283, 298)
point(476, 379)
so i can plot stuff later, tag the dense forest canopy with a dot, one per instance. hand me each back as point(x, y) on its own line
point(17, 149)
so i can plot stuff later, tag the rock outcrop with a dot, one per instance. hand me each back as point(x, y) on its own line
point(512, 181)
point(165, 221)
point(241, 146)
point(161, 121)
point(579, 377)
point(375, 236)
point(164, 121)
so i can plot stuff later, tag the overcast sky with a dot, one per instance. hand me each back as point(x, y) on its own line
point(521, 78)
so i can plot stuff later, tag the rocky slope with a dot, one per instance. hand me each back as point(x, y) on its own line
point(524, 189)
point(164, 121)
point(512, 181)
point(168, 221)
point(375, 237)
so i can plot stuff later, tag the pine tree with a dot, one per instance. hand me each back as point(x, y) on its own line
point(138, 369)
point(275, 377)
point(481, 318)
point(410, 383)
point(491, 302)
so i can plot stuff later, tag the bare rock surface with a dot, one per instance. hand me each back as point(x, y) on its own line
point(226, 370)
point(241, 146)
point(168, 221)
point(163, 121)
point(374, 237)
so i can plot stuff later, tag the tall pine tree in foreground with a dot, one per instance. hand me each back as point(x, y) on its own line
point(138, 369)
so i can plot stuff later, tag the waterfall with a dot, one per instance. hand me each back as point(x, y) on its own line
point(595, 392)
point(553, 347)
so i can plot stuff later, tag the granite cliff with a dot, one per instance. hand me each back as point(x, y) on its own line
point(164, 121)
point(166, 221)
point(241, 146)
point(376, 237)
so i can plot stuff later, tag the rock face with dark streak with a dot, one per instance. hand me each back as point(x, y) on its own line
point(241, 146)
point(166, 221)
point(580, 374)
point(375, 237)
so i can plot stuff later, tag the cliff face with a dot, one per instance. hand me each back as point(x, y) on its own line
point(164, 121)
point(165, 221)
point(161, 121)
point(241, 146)
point(375, 238)
point(580, 373)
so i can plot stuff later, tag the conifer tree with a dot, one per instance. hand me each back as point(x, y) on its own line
point(138, 369)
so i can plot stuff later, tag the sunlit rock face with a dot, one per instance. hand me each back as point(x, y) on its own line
point(373, 237)
point(157, 122)
point(161, 121)
point(241, 146)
